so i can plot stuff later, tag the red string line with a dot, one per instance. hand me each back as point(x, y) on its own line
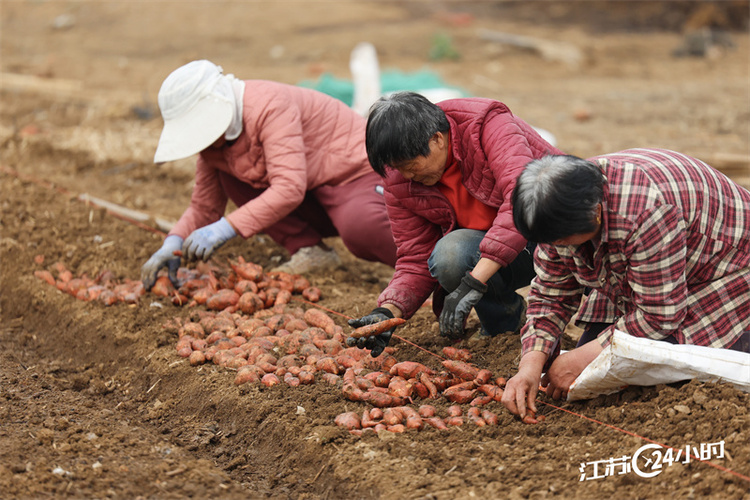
point(64, 191)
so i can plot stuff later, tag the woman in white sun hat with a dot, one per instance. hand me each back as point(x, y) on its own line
point(292, 160)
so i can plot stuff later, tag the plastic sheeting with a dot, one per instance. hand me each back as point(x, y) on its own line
point(632, 360)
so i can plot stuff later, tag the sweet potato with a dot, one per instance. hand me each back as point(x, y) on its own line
point(489, 417)
point(306, 377)
point(316, 317)
point(492, 391)
point(454, 421)
point(383, 400)
point(400, 387)
point(414, 421)
point(247, 270)
point(483, 377)
point(367, 420)
point(249, 302)
point(163, 287)
point(352, 392)
point(475, 417)
point(409, 369)
point(311, 294)
point(392, 416)
point(247, 374)
point(426, 411)
point(531, 417)
point(349, 420)
point(270, 379)
point(457, 354)
point(480, 400)
point(328, 364)
point(398, 428)
point(197, 358)
point(222, 299)
point(421, 390)
point(432, 391)
point(437, 422)
point(331, 378)
point(461, 369)
point(283, 297)
point(461, 397)
point(376, 328)
point(45, 275)
point(299, 284)
point(243, 286)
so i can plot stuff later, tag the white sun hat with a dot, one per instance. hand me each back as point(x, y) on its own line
point(197, 104)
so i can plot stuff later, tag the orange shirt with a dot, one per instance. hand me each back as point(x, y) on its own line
point(470, 212)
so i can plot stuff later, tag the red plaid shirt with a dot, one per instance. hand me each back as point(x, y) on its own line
point(673, 259)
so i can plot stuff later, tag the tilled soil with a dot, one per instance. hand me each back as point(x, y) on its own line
point(96, 403)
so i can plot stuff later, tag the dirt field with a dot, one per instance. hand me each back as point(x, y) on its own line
point(94, 400)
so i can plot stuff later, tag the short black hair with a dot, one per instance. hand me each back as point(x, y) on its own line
point(556, 197)
point(399, 128)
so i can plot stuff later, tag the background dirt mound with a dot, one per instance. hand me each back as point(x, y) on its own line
point(94, 400)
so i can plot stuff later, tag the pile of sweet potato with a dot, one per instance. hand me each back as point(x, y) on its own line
point(281, 344)
point(104, 288)
point(242, 286)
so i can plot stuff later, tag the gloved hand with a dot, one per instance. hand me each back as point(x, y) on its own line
point(458, 305)
point(163, 257)
point(377, 343)
point(202, 242)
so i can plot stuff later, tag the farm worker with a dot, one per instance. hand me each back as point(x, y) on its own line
point(449, 170)
point(661, 242)
point(292, 160)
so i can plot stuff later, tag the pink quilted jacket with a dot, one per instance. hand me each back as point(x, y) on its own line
point(294, 140)
point(491, 146)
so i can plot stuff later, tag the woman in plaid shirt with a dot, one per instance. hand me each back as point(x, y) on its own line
point(651, 242)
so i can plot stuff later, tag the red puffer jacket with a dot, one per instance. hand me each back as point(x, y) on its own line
point(492, 147)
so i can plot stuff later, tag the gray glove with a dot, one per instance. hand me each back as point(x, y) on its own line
point(204, 241)
point(458, 305)
point(164, 257)
point(377, 343)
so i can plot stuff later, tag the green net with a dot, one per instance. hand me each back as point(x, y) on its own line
point(390, 81)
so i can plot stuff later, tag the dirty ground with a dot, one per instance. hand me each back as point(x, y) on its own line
point(94, 401)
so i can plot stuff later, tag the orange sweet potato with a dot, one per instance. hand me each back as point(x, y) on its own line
point(316, 317)
point(197, 358)
point(247, 270)
point(249, 302)
point(376, 328)
point(460, 397)
point(457, 354)
point(383, 400)
point(45, 276)
point(163, 287)
point(311, 294)
point(461, 369)
point(349, 420)
point(489, 417)
point(270, 379)
point(437, 422)
point(409, 369)
point(222, 299)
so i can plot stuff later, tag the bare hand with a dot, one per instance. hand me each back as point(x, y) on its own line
point(566, 369)
point(521, 390)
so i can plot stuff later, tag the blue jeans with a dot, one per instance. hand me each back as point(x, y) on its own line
point(500, 309)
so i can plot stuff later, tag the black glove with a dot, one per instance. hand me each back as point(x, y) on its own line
point(377, 343)
point(458, 305)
